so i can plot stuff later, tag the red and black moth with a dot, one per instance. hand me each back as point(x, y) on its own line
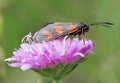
point(52, 31)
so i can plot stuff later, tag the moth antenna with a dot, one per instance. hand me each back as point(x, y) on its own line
point(105, 24)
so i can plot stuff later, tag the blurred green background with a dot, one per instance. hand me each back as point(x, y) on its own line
point(19, 17)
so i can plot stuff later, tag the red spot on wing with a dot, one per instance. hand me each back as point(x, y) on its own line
point(48, 34)
point(58, 29)
point(72, 28)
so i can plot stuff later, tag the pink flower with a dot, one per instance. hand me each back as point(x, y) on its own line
point(48, 54)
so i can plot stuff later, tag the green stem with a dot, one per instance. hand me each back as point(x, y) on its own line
point(57, 81)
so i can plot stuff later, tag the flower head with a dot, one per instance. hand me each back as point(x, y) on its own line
point(48, 54)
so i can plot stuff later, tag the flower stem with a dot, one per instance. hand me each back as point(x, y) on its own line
point(57, 81)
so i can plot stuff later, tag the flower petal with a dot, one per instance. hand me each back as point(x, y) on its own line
point(49, 54)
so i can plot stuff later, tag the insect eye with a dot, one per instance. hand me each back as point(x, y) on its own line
point(86, 28)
